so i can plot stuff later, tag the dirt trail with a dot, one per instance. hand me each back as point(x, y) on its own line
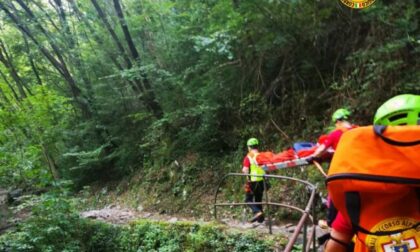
point(118, 215)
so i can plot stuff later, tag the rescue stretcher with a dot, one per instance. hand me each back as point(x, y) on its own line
point(299, 162)
point(286, 164)
point(297, 156)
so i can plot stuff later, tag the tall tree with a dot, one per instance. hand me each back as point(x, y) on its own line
point(31, 60)
point(58, 62)
point(15, 95)
point(142, 83)
point(149, 93)
point(7, 62)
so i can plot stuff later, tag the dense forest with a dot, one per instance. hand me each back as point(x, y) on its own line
point(95, 92)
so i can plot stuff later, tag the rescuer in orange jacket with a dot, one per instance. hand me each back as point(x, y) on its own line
point(375, 184)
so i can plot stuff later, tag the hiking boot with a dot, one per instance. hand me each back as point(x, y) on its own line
point(261, 219)
point(257, 216)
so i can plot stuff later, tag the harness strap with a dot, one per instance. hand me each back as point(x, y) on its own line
point(339, 242)
point(380, 129)
point(353, 210)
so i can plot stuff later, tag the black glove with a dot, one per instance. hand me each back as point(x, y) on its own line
point(322, 239)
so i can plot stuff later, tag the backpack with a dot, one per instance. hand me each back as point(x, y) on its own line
point(374, 181)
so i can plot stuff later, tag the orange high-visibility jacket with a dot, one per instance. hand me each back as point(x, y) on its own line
point(374, 181)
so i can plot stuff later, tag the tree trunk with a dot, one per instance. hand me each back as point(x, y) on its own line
point(4, 96)
point(51, 163)
point(50, 40)
point(6, 62)
point(57, 64)
point(24, 29)
point(150, 97)
point(53, 24)
point(10, 86)
point(75, 90)
point(140, 86)
point(124, 27)
point(98, 39)
point(111, 31)
point(31, 60)
point(74, 57)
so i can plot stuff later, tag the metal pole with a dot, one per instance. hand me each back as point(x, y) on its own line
point(310, 240)
point(314, 228)
point(216, 193)
point(305, 233)
point(295, 235)
point(302, 221)
point(305, 213)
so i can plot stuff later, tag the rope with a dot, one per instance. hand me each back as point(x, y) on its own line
point(319, 167)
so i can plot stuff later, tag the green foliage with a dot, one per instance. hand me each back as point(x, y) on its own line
point(77, 103)
point(52, 227)
point(200, 77)
point(31, 133)
point(56, 226)
point(147, 236)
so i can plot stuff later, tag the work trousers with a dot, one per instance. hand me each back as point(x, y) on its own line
point(256, 195)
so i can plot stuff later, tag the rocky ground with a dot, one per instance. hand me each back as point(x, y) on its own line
point(118, 215)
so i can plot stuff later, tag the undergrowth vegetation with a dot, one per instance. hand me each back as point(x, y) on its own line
point(56, 226)
point(174, 80)
point(151, 102)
